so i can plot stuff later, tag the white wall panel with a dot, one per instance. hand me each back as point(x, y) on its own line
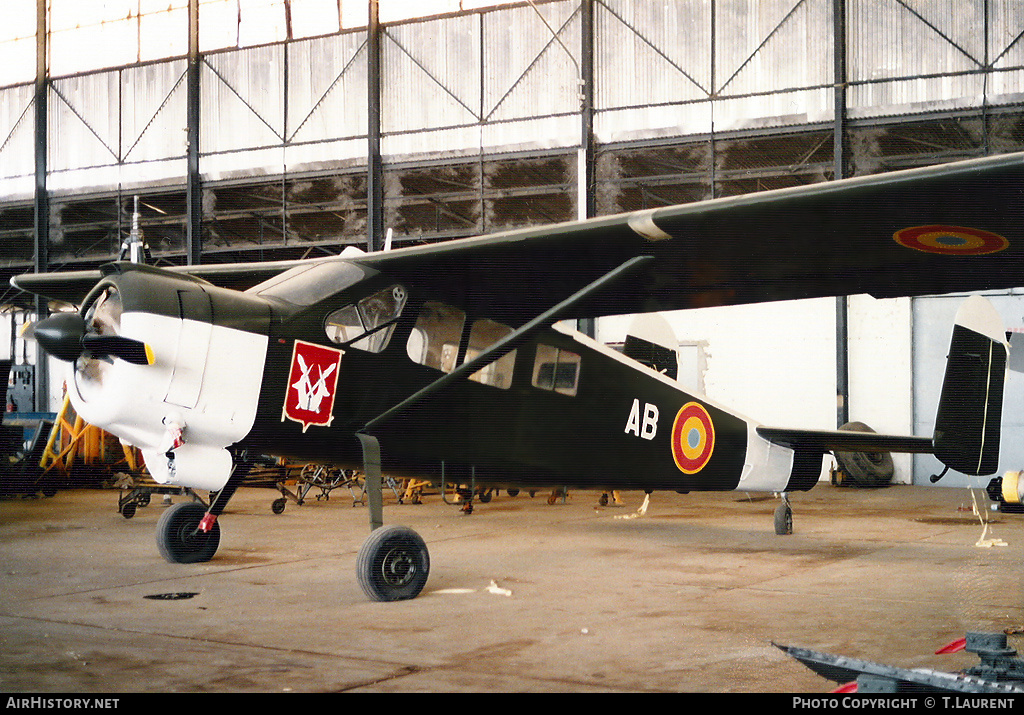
point(17, 137)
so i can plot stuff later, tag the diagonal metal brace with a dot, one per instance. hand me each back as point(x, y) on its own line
point(509, 343)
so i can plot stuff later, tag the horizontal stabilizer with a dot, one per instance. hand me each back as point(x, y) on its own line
point(967, 422)
point(844, 441)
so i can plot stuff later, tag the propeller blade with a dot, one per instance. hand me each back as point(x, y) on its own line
point(133, 351)
point(61, 335)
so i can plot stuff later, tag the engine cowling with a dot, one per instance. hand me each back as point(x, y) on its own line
point(197, 392)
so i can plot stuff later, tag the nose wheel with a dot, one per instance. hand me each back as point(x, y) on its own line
point(179, 538)
point(188, 533)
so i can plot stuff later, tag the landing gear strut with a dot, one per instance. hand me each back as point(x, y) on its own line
point(393, 563)
point(188, 533)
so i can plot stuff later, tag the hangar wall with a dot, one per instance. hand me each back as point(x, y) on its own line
point(261, 135)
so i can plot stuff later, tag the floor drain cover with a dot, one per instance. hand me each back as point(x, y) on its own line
point(180, 596)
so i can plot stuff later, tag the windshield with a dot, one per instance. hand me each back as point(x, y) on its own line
point(306, 285)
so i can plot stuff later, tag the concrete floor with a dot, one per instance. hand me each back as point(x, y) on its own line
point(688, 597)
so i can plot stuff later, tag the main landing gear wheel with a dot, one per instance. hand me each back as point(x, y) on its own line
point(393, 564)
point(178, 536)
point(783, 519)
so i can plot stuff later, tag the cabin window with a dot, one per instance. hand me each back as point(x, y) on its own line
point(434, 340)
point(482, 335)
point(556, 369)
point(372, 317)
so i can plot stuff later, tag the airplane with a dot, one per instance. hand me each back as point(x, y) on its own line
point(450, 361)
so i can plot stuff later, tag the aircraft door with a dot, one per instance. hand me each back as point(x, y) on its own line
point(194, 330)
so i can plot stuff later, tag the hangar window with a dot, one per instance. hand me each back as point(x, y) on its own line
point(482, 335)
point(372, 317)
point(556, 369)
point(434, 340)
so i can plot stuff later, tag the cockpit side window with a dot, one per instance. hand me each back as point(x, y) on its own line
point(434, 340)
point(373, 318)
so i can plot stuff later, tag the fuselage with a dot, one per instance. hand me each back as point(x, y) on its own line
point(297, 366)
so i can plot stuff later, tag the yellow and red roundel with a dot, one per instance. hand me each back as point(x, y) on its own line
point(693, 438)
point(951, 240)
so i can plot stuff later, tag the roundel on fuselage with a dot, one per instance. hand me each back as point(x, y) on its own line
point(693, 438)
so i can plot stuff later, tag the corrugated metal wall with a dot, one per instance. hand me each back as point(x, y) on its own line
point(508, 78)
point(691, 100)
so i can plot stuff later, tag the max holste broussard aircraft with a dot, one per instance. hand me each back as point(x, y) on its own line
point(442, 361)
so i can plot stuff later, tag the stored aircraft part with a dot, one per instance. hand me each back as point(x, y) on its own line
point(651, 341)
point(179, 538)
point(1000, 671)
point(1007, 491)
point(393, 564)
point(864, 469)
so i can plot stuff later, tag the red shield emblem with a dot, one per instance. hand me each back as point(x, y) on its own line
point(312, 382)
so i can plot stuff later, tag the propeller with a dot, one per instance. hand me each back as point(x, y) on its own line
point(66, 337)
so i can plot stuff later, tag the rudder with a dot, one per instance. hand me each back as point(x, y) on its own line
point(969, 415)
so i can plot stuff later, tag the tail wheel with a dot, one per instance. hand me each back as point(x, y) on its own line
point(178, 536)
point(393, 564)
point(784, 519)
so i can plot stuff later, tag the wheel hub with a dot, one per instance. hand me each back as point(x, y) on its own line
point(398, 567)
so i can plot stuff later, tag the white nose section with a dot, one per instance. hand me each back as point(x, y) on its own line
point(196, 466)
point(184, 410)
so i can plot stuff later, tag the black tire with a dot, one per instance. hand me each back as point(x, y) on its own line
point(865, 469)
point(393, 564)
point(783, 519)
point(128, 510)
point(278, 505)
point(178, 536)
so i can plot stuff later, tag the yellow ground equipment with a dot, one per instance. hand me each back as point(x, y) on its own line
point(74, 445)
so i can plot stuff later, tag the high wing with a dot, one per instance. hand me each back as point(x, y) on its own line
point(837, 238)
point(72, 286)
point(949, 228)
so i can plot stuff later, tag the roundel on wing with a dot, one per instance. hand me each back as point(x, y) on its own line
point(950, 240)
point(693, 438)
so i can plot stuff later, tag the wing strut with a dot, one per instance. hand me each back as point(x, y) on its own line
point(371, 447)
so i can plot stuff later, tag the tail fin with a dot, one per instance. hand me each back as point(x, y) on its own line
point(967, 423)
